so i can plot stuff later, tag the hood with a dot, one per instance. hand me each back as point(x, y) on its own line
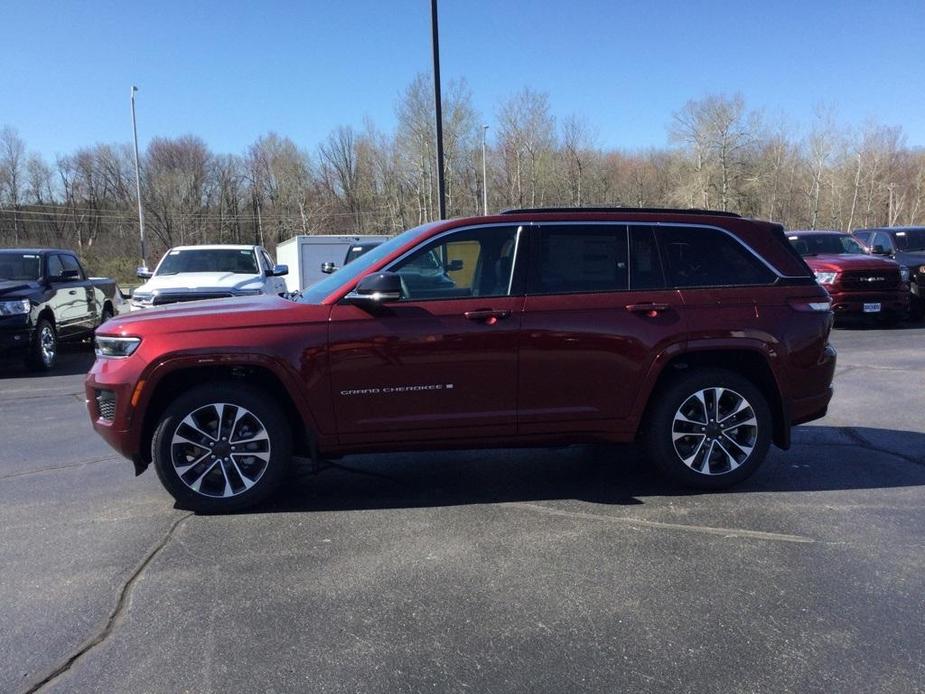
point(839, 263)
point(204, 281)
point(911, 258)
point(18, 289)
point(217, 314)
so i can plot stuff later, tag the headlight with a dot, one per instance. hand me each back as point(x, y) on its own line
point(826, 277)
point(116, 346)
point(248, 292)
point(142, 299)
point(15, 308)
point(903, 273)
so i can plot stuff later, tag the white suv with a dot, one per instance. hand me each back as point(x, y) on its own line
point(193, 273)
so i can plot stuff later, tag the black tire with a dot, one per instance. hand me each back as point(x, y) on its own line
point(729, 462)
point(106, 314)
point(217, 474)
point(43, 350)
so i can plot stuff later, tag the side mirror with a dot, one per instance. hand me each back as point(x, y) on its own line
point(328, 268)
point(279, 270)
point(70, 275)
point(376, 289)
point(144, 273)
point(879, 250)
point(454, 265)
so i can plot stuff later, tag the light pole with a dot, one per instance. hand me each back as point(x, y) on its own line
point(438, 109)
point(484, 174)
point(141, 214)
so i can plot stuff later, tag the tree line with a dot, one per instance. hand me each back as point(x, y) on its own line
point(361, 180)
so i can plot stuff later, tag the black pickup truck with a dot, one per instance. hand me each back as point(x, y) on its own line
point(46, 297)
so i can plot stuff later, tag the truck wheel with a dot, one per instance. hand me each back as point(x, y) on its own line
point(43, 351)
point(221, 447)
point(709, 429)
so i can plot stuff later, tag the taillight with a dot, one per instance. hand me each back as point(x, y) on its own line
point(813, 305)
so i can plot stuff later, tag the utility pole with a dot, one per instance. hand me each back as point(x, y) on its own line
point(141, 214)
point(438, 109)
point(484, 174)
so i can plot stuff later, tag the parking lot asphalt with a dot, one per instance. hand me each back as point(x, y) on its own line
point(572, 569)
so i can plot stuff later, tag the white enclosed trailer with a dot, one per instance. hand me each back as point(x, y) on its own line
point(305, 254)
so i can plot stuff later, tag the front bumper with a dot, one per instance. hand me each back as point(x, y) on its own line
point(115, 380)
point(852, 303)
point(15, 334)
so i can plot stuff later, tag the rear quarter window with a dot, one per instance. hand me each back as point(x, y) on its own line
point(706, 257)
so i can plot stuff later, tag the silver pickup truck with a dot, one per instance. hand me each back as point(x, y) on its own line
point(46, 298)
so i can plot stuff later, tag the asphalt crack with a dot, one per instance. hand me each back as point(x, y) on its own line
point(54, 468)
point(115, 615)
point(640, 522)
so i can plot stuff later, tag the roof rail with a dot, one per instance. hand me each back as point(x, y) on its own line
point(664, 210)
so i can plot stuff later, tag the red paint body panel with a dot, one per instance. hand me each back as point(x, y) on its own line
point(421, 374)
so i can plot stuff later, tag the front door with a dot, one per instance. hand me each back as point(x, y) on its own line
point(442, 362)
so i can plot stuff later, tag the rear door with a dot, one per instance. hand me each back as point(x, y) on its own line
point(596, 313)
point(442, 362)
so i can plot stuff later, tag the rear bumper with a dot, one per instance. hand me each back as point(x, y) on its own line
point(814, 406)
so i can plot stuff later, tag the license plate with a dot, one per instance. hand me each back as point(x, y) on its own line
point(871, 308)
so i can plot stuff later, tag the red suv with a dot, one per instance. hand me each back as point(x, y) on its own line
point(701, 334)
point(859, 284)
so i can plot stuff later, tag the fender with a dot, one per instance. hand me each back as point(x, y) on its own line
point(154, 374)
point(763, 348)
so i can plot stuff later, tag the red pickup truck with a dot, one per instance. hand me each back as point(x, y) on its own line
point(860, 285)
point(700, 334)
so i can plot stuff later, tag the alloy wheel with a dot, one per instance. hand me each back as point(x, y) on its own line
point(714, 431)
point(220, 450)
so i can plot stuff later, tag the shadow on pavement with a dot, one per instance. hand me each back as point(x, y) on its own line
point(829, 459)
point(73, 360)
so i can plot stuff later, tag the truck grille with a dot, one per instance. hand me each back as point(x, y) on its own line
point(106, 404)
point(862, 280)
point(173, 298)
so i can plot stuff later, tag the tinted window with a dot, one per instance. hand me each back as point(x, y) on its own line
point(230, 260)
point(579, 258)
point(20, 266)
point(863, 236)
point(468, 263)
point(70, 263)
point(55, 268)
point(881, 239)
point(703, 257)
point(645, 265)
point(910, 240)
point(830, 244)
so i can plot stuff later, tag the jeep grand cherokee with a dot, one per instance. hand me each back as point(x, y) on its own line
point(701, 334)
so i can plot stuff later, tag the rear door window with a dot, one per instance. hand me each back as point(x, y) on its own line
point(706, 257)
point(576, 258)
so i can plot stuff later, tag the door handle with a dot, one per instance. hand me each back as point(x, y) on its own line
point(489, 316)
point(72, 292)
point(651, 310)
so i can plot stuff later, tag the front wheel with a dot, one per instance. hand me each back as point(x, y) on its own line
point(221, 448)
point(43, 351)
point(709, 429)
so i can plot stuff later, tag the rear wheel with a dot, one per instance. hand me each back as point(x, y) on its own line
point(43, 352)
point(709, 429)
point(221, 448)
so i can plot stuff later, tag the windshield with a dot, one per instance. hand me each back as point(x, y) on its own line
point(322, 288)
point(911, 240)
point(23, 267)
point(825, 244)
point(233, 260)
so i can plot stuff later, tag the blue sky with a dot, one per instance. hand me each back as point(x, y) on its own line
point(230, 72)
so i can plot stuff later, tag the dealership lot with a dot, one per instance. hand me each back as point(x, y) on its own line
point(566, 569)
